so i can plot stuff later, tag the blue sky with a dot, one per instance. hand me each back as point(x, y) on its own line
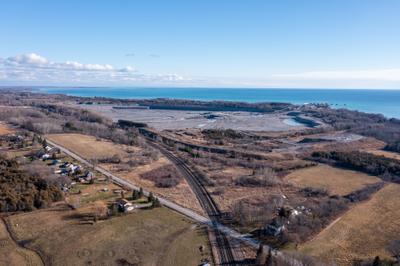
point(285, 43)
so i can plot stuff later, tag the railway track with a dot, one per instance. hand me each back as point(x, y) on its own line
point(206, 201)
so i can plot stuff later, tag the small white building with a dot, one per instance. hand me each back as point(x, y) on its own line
point(125, 205)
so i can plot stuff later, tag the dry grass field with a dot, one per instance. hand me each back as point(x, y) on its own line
point(12, 255)
point(90, 147)
point(146, 237)
point(387, 154)
point(335, 180)
point(5, 130)
point(362, 232)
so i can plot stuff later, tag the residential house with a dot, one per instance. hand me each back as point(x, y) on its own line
point(45, 156)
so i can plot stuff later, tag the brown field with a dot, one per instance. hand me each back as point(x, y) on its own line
point(11, 254)
point(90, 147)
point(387, 154)
point(363, 232)
point(5, 130)
point(335, 180)
point(145, 237)
point(362, 144)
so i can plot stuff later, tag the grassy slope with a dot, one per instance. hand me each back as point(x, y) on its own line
point(362, 232)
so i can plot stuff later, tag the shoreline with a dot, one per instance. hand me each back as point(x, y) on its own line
point(370, 101)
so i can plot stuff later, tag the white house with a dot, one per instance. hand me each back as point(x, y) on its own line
point(125, 205)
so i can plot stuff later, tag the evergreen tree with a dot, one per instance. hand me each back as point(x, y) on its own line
point(135, 195)
point(156, 203)
point(151, 197)
point(377, 261)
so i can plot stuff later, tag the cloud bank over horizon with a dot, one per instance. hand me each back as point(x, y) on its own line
point(35, 69)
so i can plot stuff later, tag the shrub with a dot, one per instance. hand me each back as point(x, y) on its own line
point(314, 192)
point(164, 176)
point(115, 159)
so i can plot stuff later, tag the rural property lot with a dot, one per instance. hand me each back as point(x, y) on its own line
point(363, 232)
point(144, 237)
point(90, 147)
point(335, 180)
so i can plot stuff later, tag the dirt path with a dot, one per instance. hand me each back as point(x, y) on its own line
point(167, 242)
point(37, 258)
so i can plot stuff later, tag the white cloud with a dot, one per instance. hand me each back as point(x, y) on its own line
point(26, 59)
point(78, 66)
point(128, 69)
point(33, 67)
point(36, 61)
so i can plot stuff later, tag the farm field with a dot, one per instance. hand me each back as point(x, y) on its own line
point(11, 254)
point(90, 147)
point(363, 232)
point(335, 180)
point(144, 237)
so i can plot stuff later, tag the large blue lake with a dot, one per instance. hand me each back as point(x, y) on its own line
point(386, 102)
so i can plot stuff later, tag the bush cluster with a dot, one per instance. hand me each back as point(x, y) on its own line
point(21, 192)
